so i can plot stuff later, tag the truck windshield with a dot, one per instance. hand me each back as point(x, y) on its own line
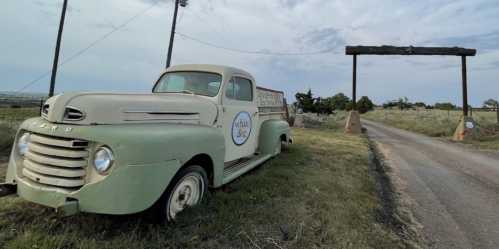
point(200, 83)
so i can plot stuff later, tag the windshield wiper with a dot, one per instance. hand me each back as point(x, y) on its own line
point(188, 91)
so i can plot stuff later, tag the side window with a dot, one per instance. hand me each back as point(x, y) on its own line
point(239, 89)
point(244, 89)
point(229, 91)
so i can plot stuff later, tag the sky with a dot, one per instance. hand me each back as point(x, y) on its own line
point(296, 44)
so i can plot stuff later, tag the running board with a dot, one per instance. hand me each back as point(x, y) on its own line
point(237, 170)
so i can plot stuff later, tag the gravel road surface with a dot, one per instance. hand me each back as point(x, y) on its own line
point(453, 190)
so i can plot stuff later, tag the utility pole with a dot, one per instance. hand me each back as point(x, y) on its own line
point(58, 48)
point(182, 3)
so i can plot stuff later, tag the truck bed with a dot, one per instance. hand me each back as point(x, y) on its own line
point(271, 103)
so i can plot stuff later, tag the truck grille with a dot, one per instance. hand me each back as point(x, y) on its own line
point(55, 161)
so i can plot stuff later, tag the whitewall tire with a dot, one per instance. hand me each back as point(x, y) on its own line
point(187, 189)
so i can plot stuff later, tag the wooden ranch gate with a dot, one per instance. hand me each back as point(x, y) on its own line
point(410, 50)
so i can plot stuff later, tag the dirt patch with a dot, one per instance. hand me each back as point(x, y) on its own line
point(394, 212)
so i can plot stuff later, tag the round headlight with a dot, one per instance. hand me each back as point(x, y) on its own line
point(103, 159)
point(22, 143)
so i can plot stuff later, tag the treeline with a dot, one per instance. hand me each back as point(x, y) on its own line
point(308, 103)
point(405, 104)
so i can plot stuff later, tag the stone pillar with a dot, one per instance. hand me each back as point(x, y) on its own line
point(466, 130)
point(353, 125)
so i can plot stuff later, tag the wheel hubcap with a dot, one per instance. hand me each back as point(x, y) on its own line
point(188, 192)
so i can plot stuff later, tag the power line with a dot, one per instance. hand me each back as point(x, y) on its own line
point(237, 50)
point(91, 45)
point(207, 22)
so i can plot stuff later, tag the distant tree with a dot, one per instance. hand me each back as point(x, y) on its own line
point(305, 101)
point(323, 105)
point(349, 106)
point(390, 104)
point(364, 105)
point(445, 106)
point(403, 103)
point(339, 101)
point(420, 104)
point(490, 103)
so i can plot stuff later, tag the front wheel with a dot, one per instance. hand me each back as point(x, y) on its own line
point(187, 189)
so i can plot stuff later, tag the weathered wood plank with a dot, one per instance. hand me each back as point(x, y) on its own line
point(392, 50)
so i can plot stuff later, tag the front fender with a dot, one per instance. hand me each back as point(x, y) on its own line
point(135, 144)
point(270, 135)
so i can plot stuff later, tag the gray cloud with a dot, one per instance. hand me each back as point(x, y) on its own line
point(291, 3)
point(485, 41)
point(324, 39)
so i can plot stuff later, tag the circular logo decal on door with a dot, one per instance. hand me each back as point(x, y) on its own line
point(241, 128)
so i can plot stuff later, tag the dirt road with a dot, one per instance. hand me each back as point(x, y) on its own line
point(452, 189)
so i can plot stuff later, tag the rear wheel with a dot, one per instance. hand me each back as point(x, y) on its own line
point(187, 189)
point(283, 143)
point(278, 147)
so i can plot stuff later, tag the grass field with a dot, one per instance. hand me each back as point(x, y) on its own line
point(15, 115)
point(438, 123)
point(317, 194)
point(10, 118)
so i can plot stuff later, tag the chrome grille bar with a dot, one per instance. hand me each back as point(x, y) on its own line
point(56, 162)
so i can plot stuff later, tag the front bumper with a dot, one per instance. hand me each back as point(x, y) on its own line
point(129, 189)
point(47, 197)
point(130, 186)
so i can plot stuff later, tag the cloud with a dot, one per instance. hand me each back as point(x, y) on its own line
point(325, 38)
point(483, 42)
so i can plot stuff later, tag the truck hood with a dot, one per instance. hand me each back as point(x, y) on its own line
point(113, 108)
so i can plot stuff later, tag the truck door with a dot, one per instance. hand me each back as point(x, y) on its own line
point(240, 118)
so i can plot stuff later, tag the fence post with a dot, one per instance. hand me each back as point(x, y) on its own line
point(497, 112)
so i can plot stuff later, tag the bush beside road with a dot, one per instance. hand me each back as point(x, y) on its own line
point(317, 194)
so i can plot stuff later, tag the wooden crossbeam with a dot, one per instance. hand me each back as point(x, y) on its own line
point(392, 50)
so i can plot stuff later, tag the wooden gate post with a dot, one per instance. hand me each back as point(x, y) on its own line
point(353, 125)
point(354, 83)
point(465, 85)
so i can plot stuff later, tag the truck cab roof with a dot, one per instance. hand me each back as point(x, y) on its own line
point(223, 70)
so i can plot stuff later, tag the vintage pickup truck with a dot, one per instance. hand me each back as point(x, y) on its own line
point(202, 126)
